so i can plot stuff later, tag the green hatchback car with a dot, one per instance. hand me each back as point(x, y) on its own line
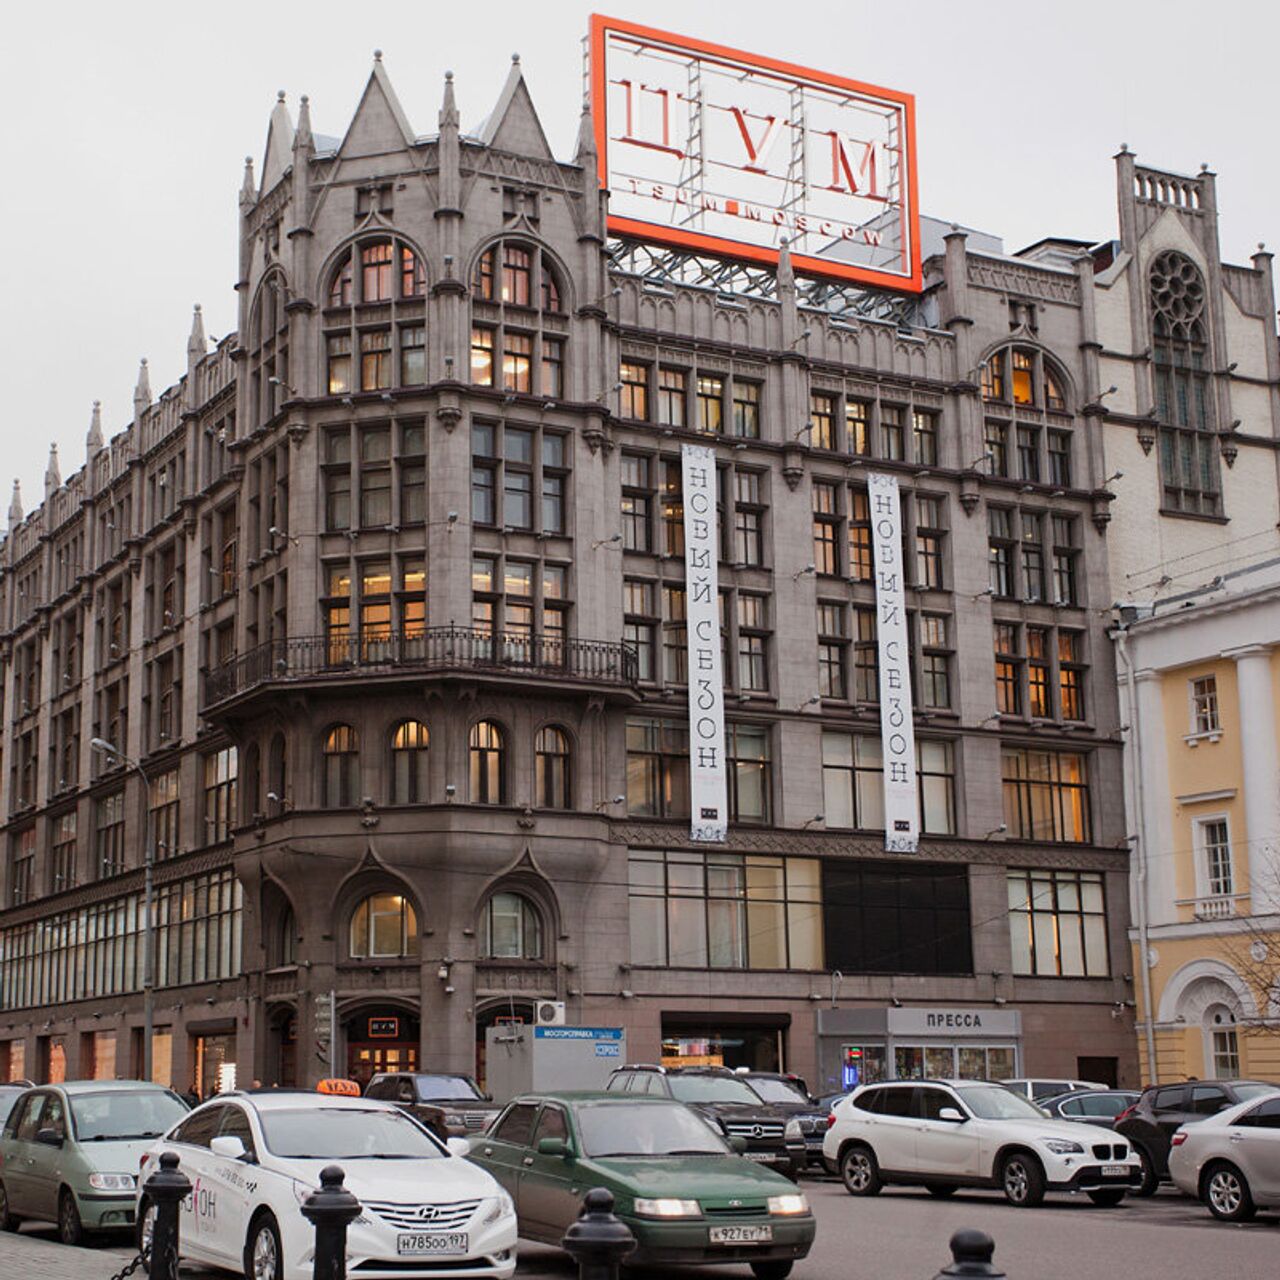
point(69, 1153)
point(681, 1188)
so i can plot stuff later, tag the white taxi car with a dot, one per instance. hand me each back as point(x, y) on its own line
point(944, 1134)
point(253, 1158)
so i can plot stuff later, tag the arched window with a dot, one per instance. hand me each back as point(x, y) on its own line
point(341, 767)
point(277, 766)
point(384, 925)
point(488, 764)
point(251, 787)
point(409, 763)
point(284, 948)
point(269, 348)
point(517, 334)
point(1184, 397)
point(1022, 391)
point(1222, 1046)
point(551, 768)
point(512, 928)
point(392, 351)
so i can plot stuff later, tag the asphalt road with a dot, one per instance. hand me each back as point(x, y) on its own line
point(899, 1235)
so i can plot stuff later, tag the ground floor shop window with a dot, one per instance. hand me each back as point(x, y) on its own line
point(1058, 923)
point(757, 1046)
point(953, 1062)
point(214, 1059)
point(98, 1055)
point(13, 1060)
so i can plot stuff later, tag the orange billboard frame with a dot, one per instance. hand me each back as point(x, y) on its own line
point(908, 280)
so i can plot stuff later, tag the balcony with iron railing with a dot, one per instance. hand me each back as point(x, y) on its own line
point(509, 658)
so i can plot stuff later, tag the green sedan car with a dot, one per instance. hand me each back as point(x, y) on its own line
point(69, 1153)
point(685, 1194)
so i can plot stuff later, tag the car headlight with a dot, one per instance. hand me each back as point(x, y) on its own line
point(454, 1120)
point(112, 1181)
point(667, 1208)
point(503, 1207)
point(794, 1203)
point(1063, 1146)
point(793, 1130)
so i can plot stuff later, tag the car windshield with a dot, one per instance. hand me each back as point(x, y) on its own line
point(645, 1129)
point(994, 1102)
point(345, 1133)
point(1247, 1092)
point(119, 1114)
point(776, 1090)
point(712, 1089)
point(447, 1087)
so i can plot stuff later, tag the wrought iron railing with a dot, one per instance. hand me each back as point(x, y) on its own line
point(340, 655)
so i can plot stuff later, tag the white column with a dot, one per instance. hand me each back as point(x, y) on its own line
point(1261, 770)
point(1149, 730)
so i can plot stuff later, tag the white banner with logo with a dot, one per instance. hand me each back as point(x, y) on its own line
point(708, 793)
point(897, 730)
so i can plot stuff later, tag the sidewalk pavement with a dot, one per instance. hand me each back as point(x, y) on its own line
point(39, 1256)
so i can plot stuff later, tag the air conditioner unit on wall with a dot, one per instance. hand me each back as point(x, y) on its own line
point(550, 1013)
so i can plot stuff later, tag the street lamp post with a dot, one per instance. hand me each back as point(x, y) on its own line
point(148, 862)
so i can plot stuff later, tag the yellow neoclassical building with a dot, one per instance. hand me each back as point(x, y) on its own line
point(1199, 678)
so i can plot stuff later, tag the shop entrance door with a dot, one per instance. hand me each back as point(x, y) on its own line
point(380, 1041)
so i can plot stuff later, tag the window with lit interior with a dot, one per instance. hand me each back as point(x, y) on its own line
point(384, 926)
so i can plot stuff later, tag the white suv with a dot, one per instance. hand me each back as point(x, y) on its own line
point(944, 1134)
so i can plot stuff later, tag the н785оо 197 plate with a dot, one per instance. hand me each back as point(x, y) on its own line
point(432, 1243)
point(742, 1234)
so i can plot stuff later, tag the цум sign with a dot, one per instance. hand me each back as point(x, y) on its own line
point(723, 152)
point(897, 731)
point(708, 792)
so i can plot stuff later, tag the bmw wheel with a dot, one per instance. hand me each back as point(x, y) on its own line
point(262, 1253)
point(1226, 1193)
point(860, 1172)
point(1022, 1179)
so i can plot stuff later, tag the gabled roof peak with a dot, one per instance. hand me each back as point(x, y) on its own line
point(513, 124)
point(279, 151)
point(378, 115)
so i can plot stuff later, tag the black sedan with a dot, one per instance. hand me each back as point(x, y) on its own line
point(1091, 1106)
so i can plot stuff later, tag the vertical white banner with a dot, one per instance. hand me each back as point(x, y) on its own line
point(897, 729)
point(708, 793)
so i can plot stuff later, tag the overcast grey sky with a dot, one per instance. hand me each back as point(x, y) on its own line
point(126, 126)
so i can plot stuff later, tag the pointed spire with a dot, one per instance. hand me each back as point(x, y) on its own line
point(15, 506)
point(449, 107)
point(248, 188)
point(142, 392)
point(197, 346)
point(279, 153)
point(586, 137)
point(303, 139)
point(93, 441)
point(786, 275)
point(52, 475)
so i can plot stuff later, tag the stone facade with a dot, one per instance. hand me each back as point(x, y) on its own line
point(399, 496)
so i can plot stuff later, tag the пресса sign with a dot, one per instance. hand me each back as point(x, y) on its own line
point(897, 730)
point(708, 790)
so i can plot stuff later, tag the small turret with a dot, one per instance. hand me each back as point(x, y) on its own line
point(93, 441)
point(142, 392)
point(15, 507)
point(197, 344)
point(52, 474)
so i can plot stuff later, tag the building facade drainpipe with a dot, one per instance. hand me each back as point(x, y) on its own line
point(1140, 815)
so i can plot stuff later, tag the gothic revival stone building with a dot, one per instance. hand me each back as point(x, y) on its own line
point(385, 599)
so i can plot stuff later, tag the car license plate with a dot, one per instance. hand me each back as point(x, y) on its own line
point(432, 1243)
point(1115, 1170)
point(762, 1157)
point(742, 1235)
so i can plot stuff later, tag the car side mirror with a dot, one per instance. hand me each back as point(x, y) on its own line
point(228, 1147)
point(553, 1147)
point(953, 1114)
point(458, 1146)
point(49, 1138)
point(738, 1143)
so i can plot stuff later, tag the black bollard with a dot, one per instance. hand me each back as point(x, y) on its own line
point(167, 1188)
point(330, 1210)
point(598, 1241)
point(971, 1253)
